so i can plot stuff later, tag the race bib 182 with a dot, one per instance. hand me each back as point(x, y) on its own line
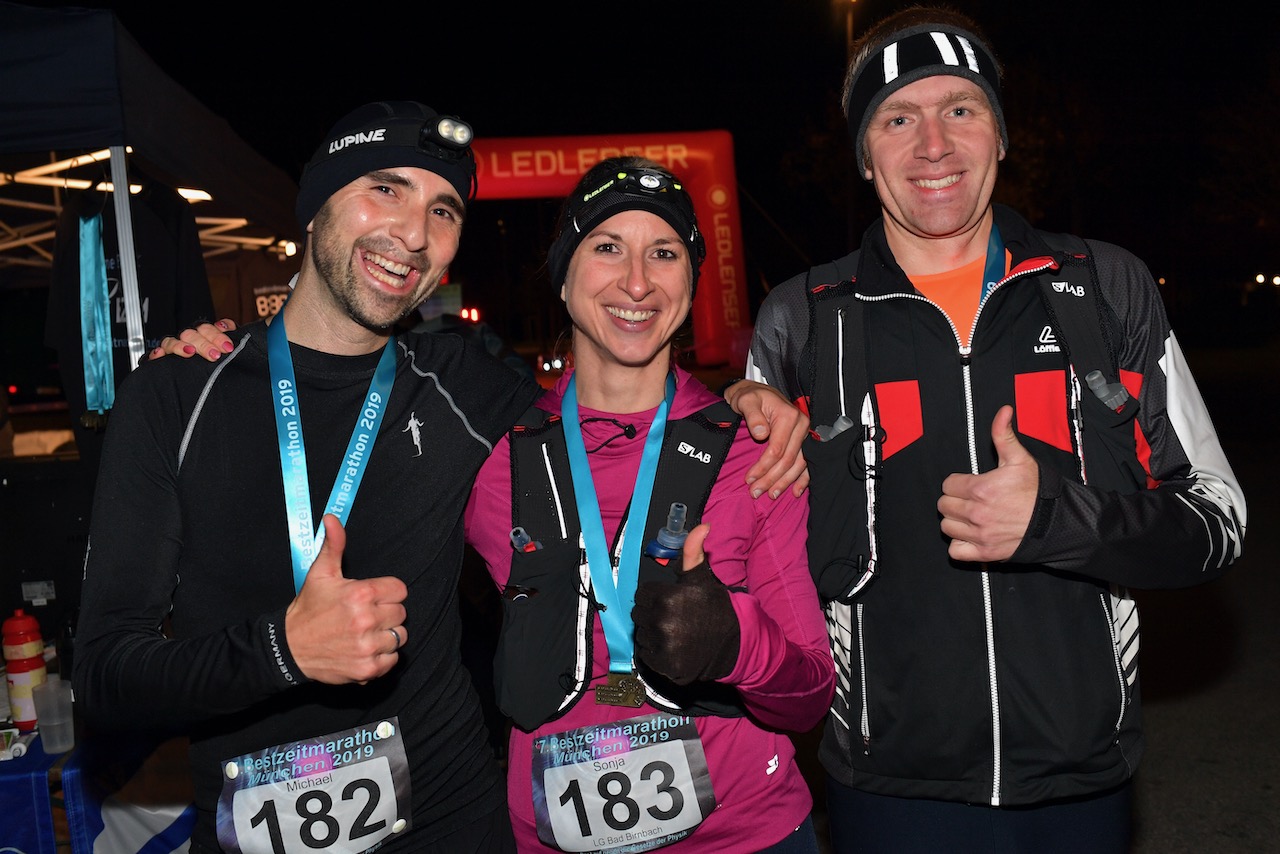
point(343, 793)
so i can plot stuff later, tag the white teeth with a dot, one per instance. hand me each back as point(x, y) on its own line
point(387, 264)
point(938, 184)
point(383, 277)
point(630, 315)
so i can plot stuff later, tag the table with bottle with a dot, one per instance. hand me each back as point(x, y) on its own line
point(31, 756)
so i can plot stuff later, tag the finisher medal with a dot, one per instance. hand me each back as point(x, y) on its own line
point(622, 689)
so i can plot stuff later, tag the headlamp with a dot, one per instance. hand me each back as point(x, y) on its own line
point(448, 131)
point(638, 188)
point(448, 138)
point(652, 190)
point(640, 182)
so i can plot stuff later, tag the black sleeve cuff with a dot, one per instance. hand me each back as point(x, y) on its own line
point(282, 663)
point(727, 384)
point(1042, 514)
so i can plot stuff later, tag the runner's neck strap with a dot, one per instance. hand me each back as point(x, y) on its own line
point(616, 591)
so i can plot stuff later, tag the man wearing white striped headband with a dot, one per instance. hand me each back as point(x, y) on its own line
point(1006, 440)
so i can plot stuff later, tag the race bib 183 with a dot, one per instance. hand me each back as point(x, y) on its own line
point(629, 786)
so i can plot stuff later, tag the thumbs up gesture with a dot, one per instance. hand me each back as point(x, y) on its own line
point(986, 515)
point(340, 629)
point(687, 630)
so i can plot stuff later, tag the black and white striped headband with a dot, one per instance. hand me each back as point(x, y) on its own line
point(912, 54)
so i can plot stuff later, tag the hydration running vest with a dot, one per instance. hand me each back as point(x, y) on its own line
point(543, 663)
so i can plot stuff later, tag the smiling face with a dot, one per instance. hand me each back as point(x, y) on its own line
point(934, 149)
point(381, 244)
point(628, 290)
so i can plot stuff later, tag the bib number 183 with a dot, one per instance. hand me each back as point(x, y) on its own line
point(640, 796)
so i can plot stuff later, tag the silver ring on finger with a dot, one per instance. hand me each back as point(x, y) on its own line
point(395, 635)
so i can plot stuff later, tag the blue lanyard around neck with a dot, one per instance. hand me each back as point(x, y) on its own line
point(303, 545)
point(994, 270)
point(616, 593)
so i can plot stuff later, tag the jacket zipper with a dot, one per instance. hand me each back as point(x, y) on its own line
point(1116, 660)
point(864, 723)
point(965, 352)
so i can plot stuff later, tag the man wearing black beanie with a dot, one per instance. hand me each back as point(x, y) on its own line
point(328, 707)
point(1007, 439)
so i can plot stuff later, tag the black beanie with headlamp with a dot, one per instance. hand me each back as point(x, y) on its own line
point(386, 135)
point(622, 187)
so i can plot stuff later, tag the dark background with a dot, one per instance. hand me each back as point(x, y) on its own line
point(1144, 125)
point(1153, 126)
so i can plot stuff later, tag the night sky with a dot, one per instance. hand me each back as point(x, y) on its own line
point(1130, 98)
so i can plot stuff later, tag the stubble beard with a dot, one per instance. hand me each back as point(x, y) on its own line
point(333, 260)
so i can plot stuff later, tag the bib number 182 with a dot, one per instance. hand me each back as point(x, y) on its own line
point(346, 810)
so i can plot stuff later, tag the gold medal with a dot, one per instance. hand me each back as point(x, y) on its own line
point(622, 689)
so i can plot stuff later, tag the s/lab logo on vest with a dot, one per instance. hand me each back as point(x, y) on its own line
point(1048, 342)
point(690, 451)
point(1068, 288)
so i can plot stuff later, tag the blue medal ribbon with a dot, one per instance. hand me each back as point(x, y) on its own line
point(616, 592)
point(95, 319)
point(993, 272)
point(305, 537)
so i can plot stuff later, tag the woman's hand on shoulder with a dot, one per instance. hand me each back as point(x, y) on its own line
point(770, 416)
point(207, 339)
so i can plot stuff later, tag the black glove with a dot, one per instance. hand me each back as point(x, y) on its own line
point(687, 630)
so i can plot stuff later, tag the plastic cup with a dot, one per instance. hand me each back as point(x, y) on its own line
point(54, 717)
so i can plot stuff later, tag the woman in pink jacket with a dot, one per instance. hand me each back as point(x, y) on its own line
point(652, 672)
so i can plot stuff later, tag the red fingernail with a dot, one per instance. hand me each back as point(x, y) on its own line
point(188, 349)
point(214, 354)
point(227, 346)
point(221, 324)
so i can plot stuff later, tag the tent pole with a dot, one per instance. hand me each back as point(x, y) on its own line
point(128, 261)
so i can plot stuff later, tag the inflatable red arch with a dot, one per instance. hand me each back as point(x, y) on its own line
point(549, 166)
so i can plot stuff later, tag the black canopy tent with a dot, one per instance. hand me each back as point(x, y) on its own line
point(74, 81)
